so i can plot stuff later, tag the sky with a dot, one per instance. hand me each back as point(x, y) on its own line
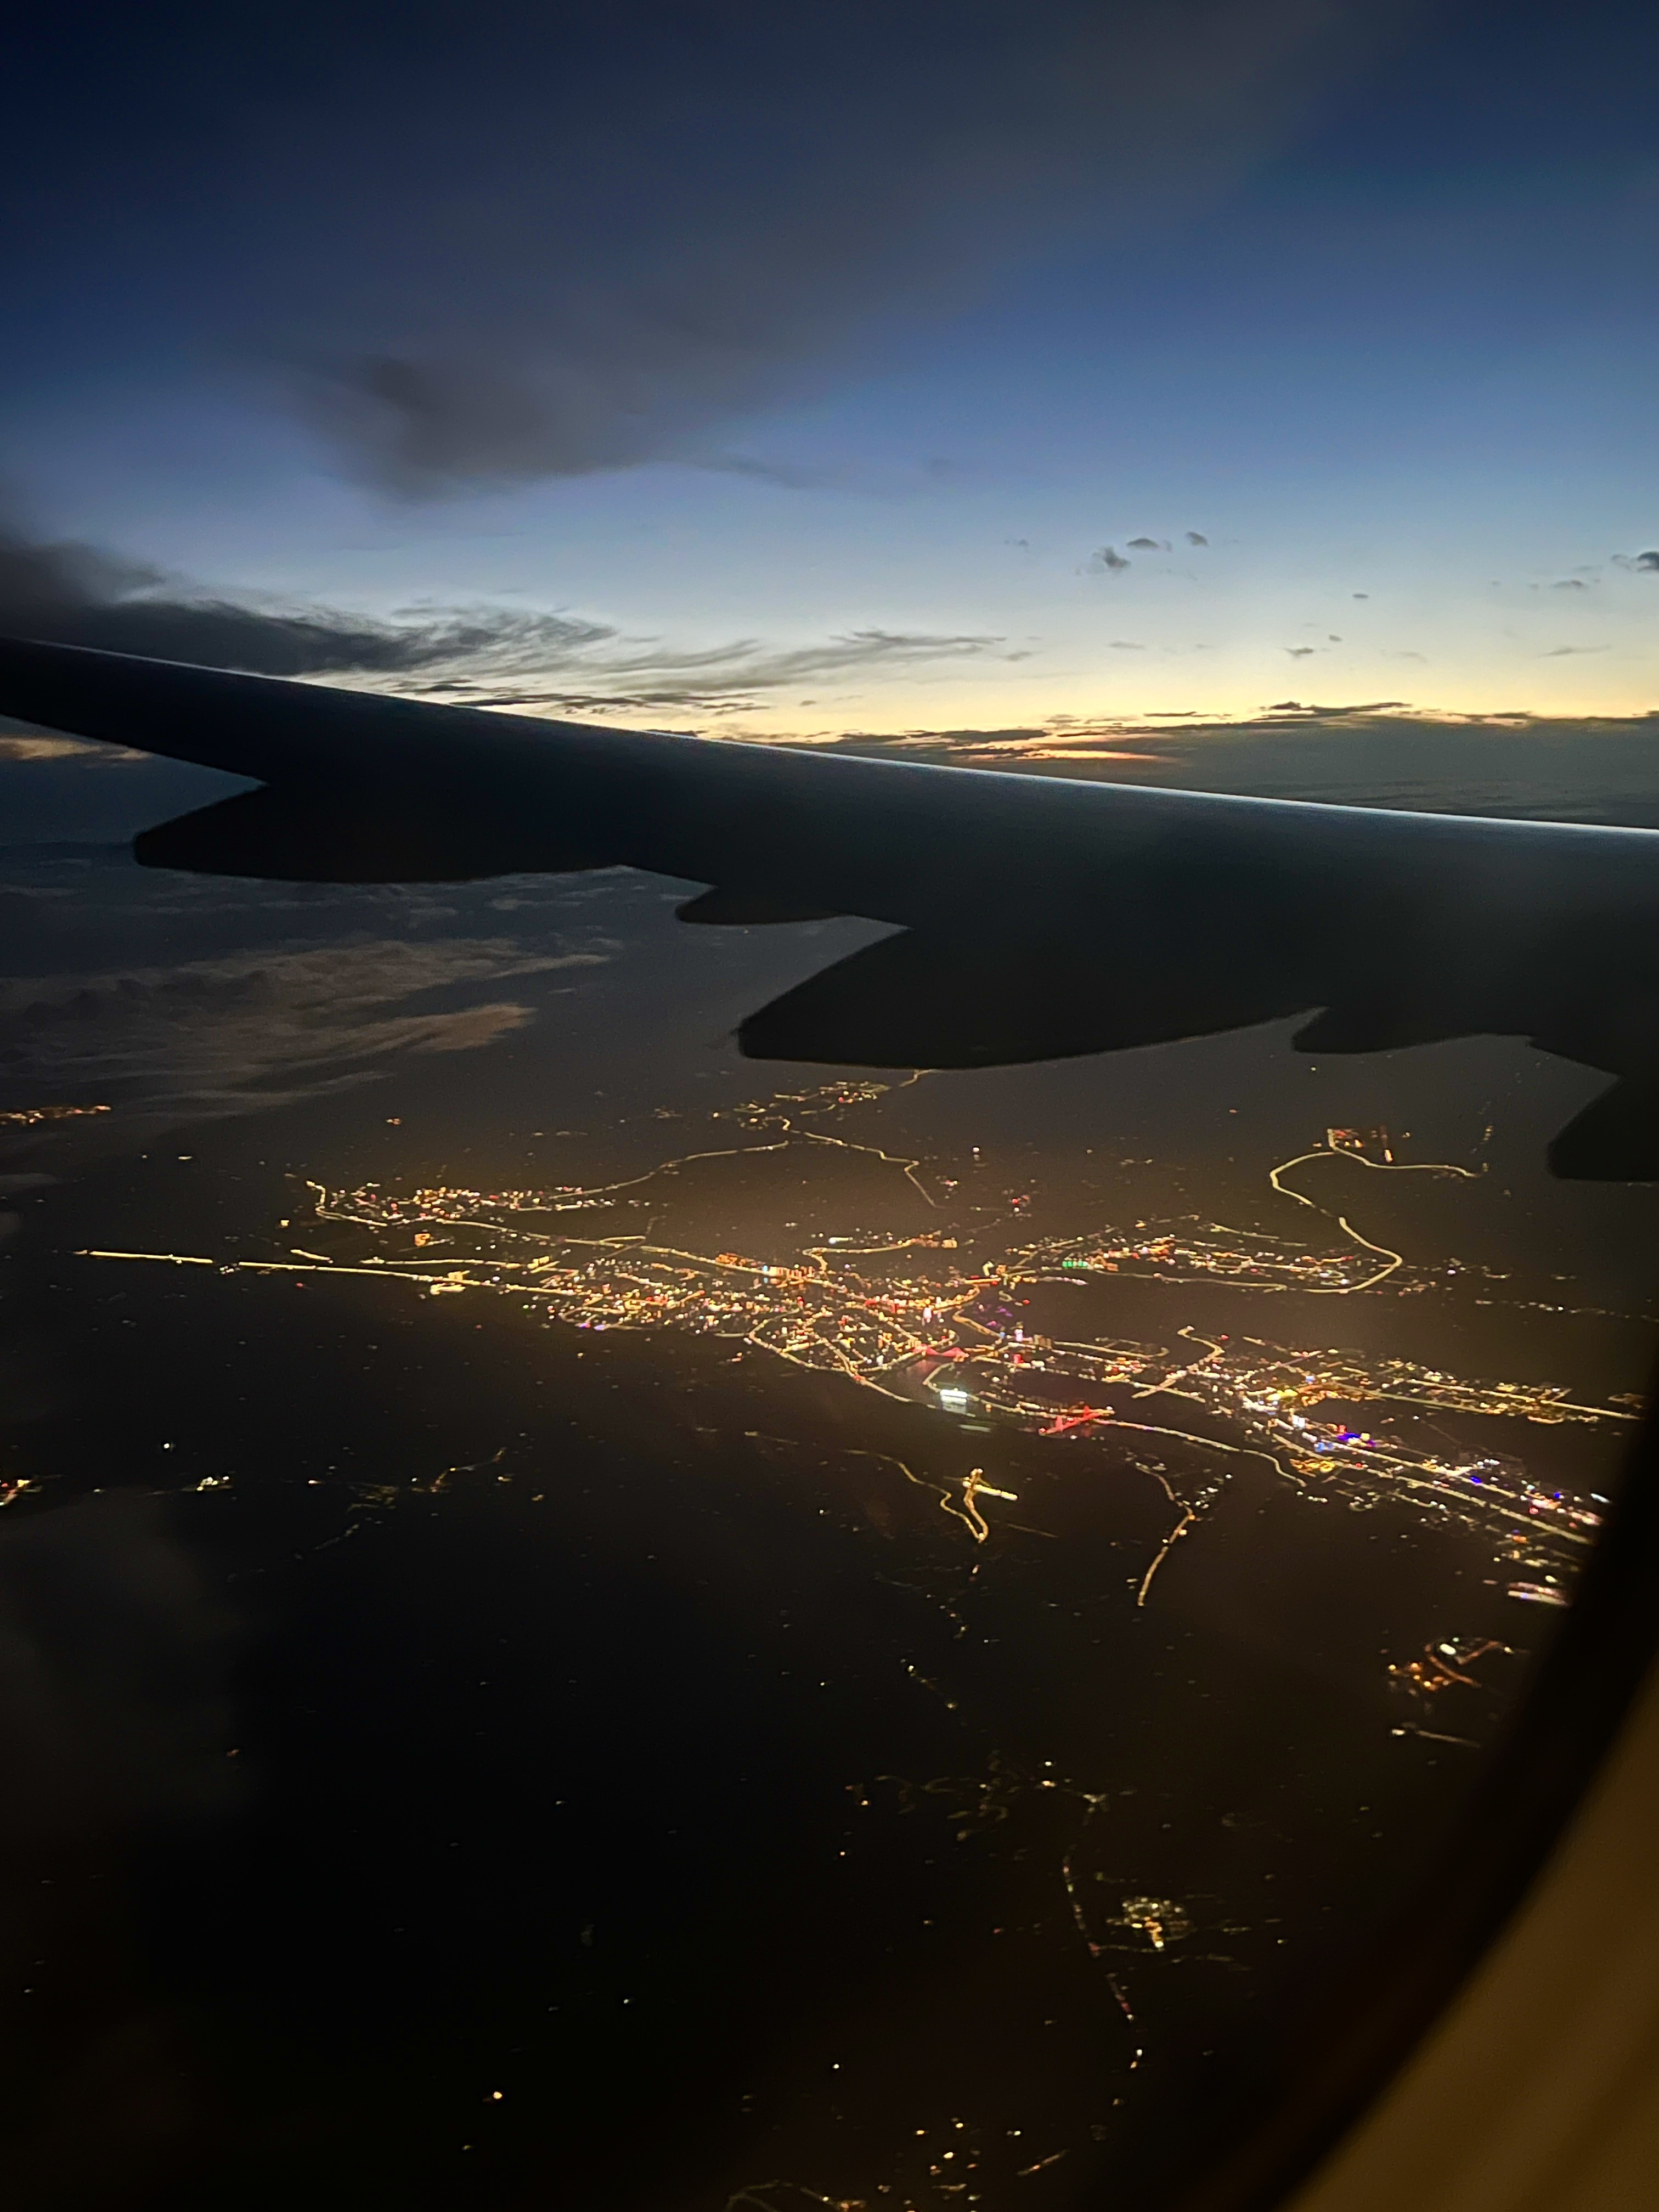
point(848, 368)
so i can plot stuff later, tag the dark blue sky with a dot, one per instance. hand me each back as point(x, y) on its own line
point(820, 369)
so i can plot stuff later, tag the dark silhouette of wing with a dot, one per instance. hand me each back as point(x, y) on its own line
point(1036, 917)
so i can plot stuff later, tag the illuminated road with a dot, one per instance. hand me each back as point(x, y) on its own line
point(901, 1315)
point(1379, 1167)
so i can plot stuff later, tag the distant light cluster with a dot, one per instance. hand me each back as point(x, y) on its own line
point(906, 1316)
point(957, 1340)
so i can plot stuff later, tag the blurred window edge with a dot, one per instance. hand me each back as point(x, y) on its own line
point(1497, 2049)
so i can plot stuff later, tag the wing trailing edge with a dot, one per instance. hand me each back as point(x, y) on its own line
point(1034, 917)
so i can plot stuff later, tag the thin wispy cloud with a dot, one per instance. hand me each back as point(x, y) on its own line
point(256, 1029)
point(69, 593)
point(74, 595)
point(721, 679)
point(14, 747)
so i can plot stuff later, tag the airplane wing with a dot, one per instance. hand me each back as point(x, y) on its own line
point(1033, 917)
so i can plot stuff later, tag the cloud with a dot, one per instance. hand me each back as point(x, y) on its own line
point(256, 1030)
point(1104, 561)
point(722, 678)
point(792, 476)
point(74, 595)
point(1645, 563)
point(1563, 652)
point(1376, 753)
point(14, 747)
point(1196, 538)
point(1347, 709)
point(1148, 545)
point(1127, 645)
point(498, 248)
point(1300, 652)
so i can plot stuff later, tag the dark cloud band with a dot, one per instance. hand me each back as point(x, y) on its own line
point(72, 594)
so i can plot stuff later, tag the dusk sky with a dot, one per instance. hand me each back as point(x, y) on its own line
point(853, 368)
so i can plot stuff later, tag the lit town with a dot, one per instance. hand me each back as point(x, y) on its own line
point(911, 1317)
